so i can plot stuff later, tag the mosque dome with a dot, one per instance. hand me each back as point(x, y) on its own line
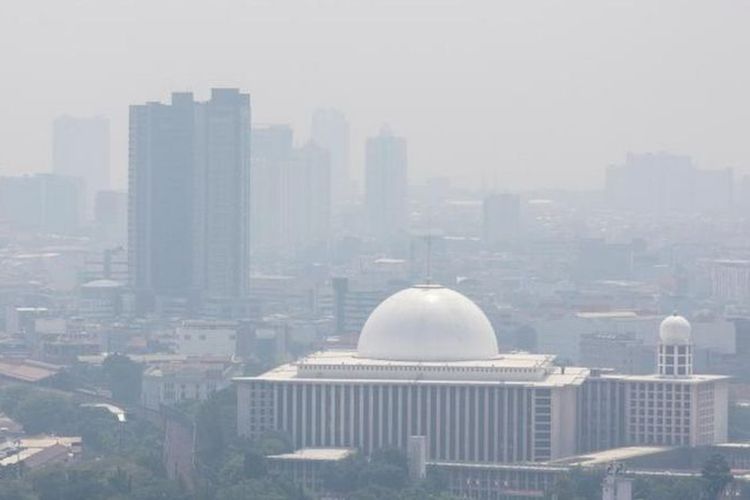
point(427, 323)
point(675, 330)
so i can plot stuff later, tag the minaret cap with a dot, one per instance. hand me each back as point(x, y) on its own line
point(675, 330)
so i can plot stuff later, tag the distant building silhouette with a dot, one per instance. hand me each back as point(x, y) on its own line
point(308, 195)
point(271, 154)
point(80, 148)
point(47, 203)
point(386, 185)
point(597, 259)
point(663, 183)
point(291, 187)
point(330, 131)
point(189, 197)
point(501, 220)
point(111, 217)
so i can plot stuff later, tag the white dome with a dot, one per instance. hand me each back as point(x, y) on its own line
point(675, 330)
point(427, 323)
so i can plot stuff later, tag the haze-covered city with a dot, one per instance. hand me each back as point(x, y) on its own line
point(374, 250)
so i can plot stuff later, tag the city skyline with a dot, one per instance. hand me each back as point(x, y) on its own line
point(374, 249)
point(541, 80)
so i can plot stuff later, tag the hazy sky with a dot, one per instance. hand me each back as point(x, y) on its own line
point(526, 93)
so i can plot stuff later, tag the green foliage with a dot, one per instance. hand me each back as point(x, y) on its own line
point(42, 411)
point(436, 480)
point(93, 480)
point(586, 485)
point(216, 426)
point(16, 490)
point(384, 475)
point(716, 476)
point(579, 485)
point(124, 378)
point(46, 412)
point(266, 489)
point(11, 396)
point(412, 493)
point(675, 488)
point(123, 461)
point(233, 465)
point(343, 477)
point(102, 480)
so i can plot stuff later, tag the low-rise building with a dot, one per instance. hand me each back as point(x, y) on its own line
point(207, 338)
point(189, 379)
point(33, 453)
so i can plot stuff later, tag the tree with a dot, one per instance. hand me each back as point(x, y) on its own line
point(107, 479)
point(578, 485)
point(216, 427)
point(16, 490)
point(386, 469)
point(342, 477)
point(716, 476)
point(667, 488)
point(265, 489)
point(45, 412)
point(124, 378)
point(436, 480)
point(11, 396)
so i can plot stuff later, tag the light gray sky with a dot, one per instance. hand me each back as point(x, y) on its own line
point(528, 93)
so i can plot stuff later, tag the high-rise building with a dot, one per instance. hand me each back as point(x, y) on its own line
point(386, 185)
point(291, 200)
point(47, 203)
point(189, 197)
point(308, 196)
point(271, 154)
point(330, 131)
point(501, 220)
point(80, 148)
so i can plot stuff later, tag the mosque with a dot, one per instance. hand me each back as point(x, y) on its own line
point(428, 364)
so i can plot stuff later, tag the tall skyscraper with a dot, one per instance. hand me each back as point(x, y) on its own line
point(271, 153)
point(80, 148)
point(501, 220)
point(308, 195)
point(189, 196)
point(291, 200)
point(330, 131)
point(386, 185)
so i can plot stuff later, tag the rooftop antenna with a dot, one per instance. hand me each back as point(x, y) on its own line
point(429, 245)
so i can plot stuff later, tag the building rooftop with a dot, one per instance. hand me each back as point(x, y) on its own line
point(27, 370)
point(612, 455)
point(316, 454)
point(37, 451)
point(607, 315)
point(687, 379)
point(518, 368)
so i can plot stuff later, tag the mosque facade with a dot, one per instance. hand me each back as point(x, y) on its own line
point(428, 364)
